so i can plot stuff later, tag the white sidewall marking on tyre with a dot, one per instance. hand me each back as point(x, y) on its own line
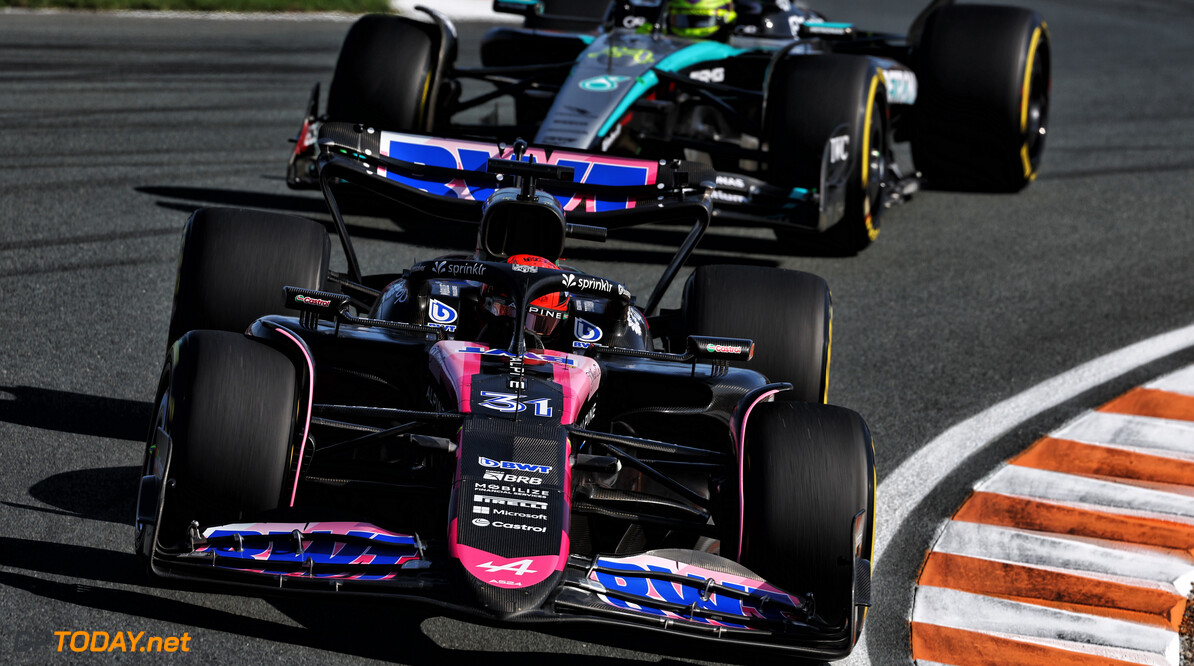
point(921, 472)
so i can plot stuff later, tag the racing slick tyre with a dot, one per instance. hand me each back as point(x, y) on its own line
point(850, 107)
point(982, 107)
point(234, 263)
point(808, 489)
point(787, 313)
point(385, 73)
point(228, 406)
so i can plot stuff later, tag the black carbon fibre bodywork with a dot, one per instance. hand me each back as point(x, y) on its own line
point(444, 452)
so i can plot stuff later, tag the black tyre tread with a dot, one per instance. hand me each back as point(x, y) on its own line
point(799, 125)
point(787, 313)
point(384, 74)
point(808, 471)
point(234, 263)
point(232, 427)
point(970, 65)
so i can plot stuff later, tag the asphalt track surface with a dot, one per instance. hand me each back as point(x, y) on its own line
point(112, 128)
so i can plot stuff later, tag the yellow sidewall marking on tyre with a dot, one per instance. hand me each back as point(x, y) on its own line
point(866, 127)
point(1032, 46)
point(828, 357)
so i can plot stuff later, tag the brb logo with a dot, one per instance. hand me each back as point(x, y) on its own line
point(473, 156)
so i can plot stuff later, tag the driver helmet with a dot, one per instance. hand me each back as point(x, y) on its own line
point(700, 19)
point(544, 314)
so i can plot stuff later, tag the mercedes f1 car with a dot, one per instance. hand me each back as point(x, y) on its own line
point(503, 435)
point(797, 114)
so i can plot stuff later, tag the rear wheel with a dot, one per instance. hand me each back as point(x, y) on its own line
point(850, 108)
point(808, 475)
point(234, 263)
point(787, 313)
point(385, 74)
point(982, 107)
point(228, 406)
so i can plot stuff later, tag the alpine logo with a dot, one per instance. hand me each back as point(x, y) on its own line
point(443, 267)
point(574, 282)
point(441, 313)
point(585, 331)
point(518, 568)
point(521, 467)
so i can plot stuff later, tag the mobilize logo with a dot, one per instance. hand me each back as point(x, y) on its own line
point(506, 501)
point(516, 491)
point(577, 282)
point(442, 267)
point(497, 475)
point(308, 300)
point(521, 467)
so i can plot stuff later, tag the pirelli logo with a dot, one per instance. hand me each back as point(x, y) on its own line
point(510, 501)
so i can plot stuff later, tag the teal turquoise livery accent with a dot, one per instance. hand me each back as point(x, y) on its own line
point(685, 57)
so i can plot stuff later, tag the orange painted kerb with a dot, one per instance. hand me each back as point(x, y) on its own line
point(1120, 597)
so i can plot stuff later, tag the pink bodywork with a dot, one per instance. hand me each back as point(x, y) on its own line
point(578, 378)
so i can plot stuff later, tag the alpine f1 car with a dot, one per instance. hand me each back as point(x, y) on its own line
point(797, 114)
point(501, 434)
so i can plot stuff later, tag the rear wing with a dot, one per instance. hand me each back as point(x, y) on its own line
point(437, 178)
point(448, 178)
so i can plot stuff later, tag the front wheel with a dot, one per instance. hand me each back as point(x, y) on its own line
point(808, 505)
point(227, 410)
point(982, 108)
point(835, 138)
point(787, 313)
point(234, 263)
